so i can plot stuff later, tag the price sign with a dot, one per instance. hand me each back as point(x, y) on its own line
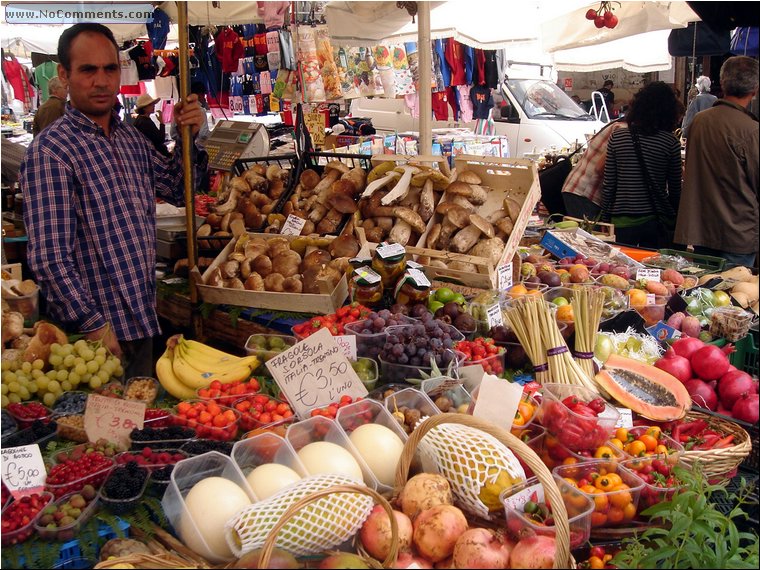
point(497, 401)
point(386, 250)
point(626, 418)
point(347, 345)
point(23, 470)
point(112, 419)
point(292, 226)
point(315, 123)
point(494, 316)
point(651, 299)
point(471, 376)
point(505, 276)
point(315, 373)
point(648, 273)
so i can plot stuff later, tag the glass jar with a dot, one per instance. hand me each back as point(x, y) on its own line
point(366, 287)
point(389, 262)
point(413, 287)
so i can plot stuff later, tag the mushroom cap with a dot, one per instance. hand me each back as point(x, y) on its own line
point(410, 217)
point(462, 201)
point(337, 165)
point(469, 176)
point(483, 225)
point(459, 216)
point(459, 188)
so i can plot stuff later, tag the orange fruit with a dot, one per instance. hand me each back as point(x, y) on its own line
point(615, 515)
point(620, 497)
point(649, 441)
point(616, 442)
point(517, 290)
point(598, 519)
point(629, 511)
point(565, 314)
point(621, 434)
point(637, 297)
point(635, 448)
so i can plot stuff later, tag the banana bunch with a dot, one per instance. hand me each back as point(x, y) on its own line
point(187, 365)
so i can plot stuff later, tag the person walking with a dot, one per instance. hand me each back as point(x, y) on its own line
point(52, 109)
point(642, 173)
point(89, 184)
point(703, 100)
point(145, 108)
point(719, 210)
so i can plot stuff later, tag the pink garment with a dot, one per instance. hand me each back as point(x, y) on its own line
point(412, 102)
point(273, 13)
point(465, 104)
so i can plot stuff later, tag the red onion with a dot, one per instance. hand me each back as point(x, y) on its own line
point(701, 394)
point(710, 362)
point(676, 365)
point(732, 385)
point(747, 408)
point(686, 346)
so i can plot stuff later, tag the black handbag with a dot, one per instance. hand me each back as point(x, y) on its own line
point(552, 179)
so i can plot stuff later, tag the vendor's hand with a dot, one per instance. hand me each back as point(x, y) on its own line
point(108, 338)
point(189, 113)
point(160, 116)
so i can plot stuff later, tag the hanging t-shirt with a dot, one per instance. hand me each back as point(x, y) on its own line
point(273, 50)
point(469, 63)
point(265, 81)
point(439, 103)
point(128, 66)
point(141, 55)
point(480, 66)
point(465, 103)
point(455, 59)
point(273, 13)
point(491, 68)
point(229, 49)
point(440, 52)
point(43, 73)
point(451, 96)
point(17, 77)
point(166, 87)
point(482, 101)
point(158, 29)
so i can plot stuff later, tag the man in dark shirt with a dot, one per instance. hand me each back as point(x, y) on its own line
point(609, 96)
point(51, 109)
point(145, 107)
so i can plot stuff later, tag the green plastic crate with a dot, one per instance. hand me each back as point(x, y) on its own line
point(745, 356)
point(707, 263)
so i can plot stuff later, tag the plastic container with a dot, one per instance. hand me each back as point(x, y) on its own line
point(574, 431)
point(227, 432)
point(651, 494)
point(71, 530)
point(615, 507)
point(142, 389)
point(267, 350)
point(184, 476)
point(320, 428)
point(369, 345)
point(263, 449)
point(652, 313)
point(95, 479)
point(383, 391)
point(12, 538)
point(731, 323)
point(163, 418)
point(170, 442)
point(413, 399)
point(41, 435)
point(452, 389)
point(123, 506)
point(249, 423)
point(553, 453)
point(579, 508)
point(27, 305)
point(127, 456)
point(23, 422)
point(197, 447)
point(70, 403)
point(533, 437)
point(111, 390)
point(519, 289)
point(493, 364)
point(615, 300)
point(675, 449)
point(368, 373)
point(9, 423)
point(392, 372)
point(72, 428)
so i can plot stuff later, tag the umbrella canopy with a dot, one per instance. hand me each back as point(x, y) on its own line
point(642, 53)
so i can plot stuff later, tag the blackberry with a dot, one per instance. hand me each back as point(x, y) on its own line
point(200, 446)
point(162, 474)
point(126, 481)
point(35, 432)
point(159, 434)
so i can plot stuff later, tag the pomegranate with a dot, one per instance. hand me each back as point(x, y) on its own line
point(747, 408)
point(406, 560)
point(481, 548)
point(375, 533)
point(436, 531)
point(702, 394)
point(280, 559)
point(534, 552)
point(424, 491)
point(732, 385)
point(686, 346)
point(675, 365)
point(711, 362)
point(724, 411)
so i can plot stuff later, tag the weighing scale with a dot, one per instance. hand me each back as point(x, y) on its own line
point(232, 140)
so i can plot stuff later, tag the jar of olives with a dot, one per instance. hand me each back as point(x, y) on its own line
point(366, 287)
point(389, 262)
point(413, 287)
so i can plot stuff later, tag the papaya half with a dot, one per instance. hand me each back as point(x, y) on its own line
point(645, 389)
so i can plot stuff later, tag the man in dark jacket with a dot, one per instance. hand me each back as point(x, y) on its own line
point(53, 108)
point(145, 107)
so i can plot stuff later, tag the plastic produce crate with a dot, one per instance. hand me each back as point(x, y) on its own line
point(709, 263)
point(745, 356)
point(724, 505)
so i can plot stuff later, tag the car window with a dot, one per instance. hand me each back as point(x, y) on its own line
point(542, 99)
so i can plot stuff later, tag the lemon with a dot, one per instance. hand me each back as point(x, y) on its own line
point(434, 306)
point(444, 295)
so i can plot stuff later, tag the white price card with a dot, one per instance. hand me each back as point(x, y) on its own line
point(347, 344)
point(626, 418)
point(497, 401)
point(494, 316)
point(292, 226)
point(386, 250)
point(471, 376)
point(648, 273)
point(314, 373)
point(23, 470)
point(651, 299)
point(505, 276)
point(112, 419)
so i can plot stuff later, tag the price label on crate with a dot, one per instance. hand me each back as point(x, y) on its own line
point(626, 418)
point(314, 373)
point(505, 276)
point(648, 273)
point(494, 316)
point(292, 226)
point(23, 470)
point(347, 344)
point(112, 419)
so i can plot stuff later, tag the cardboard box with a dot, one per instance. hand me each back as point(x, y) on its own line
point(326, 302)
point(14, 270)
point(571, 242)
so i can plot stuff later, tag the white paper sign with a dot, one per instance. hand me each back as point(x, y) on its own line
point(650, 299)
point(24, 470)
point(497, 401)
point(347, 344)
point(292, 226)
point(626, 418)
point(314, 373)
point(494, 316)
point(648, 273)
point(505, 276)
point(471, 376)
point(390, 250)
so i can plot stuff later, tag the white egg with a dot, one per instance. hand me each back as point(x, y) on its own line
point(210, 504)
point(269, 478)
point(326, 457)
point(380, 448)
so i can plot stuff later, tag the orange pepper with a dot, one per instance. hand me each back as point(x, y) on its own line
point(604, 452)
point(595, 562)
point(629, 511)
point(654, 431)
point(649, 441)
point(615, 515)
point(519, 419)
point(621, 434)
point(661, 450)
point(617, 443)
point(636, 448)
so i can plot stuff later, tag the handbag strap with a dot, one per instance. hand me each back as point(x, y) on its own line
point(653, 191)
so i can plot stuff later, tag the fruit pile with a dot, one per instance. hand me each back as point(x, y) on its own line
point(156, 418)
point(201, 446)
point(59, 521)
point(335, 322)
point(17, 518)
point(419, 344)
point(107, 448)
point(267, 346)
point(160, 438)
point(70, 403)
point(227, 394)
point(124, 487)
point(25, 414)
point(73, 474)
point(531, 517)
point(260, 410)
point(82, 362)
point(365, 369)
point(142, 389)
point(36, 432)
point(482, 351)
point(661, 482)
point(331, 411)
point(574, 422)
point(150, 458)
point(8, 423)
point(615, 502)
point(698, 435)
point(370, 332)
point(208, 419)
point(645, 441)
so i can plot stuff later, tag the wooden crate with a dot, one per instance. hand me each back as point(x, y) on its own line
point(326, 302)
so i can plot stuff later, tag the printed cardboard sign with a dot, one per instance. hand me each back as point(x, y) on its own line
point(112, 419)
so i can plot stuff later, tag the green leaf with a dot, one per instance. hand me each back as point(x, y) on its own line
point(205, 309)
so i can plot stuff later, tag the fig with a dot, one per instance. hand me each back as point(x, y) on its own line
point(465, 323)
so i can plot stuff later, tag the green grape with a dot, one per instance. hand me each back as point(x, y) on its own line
point(55, 348)
point(14, 398)
point(92, 367)
point(14, 387)
point(67, 349)
point(81, 369)
point(118, 372)
point(54, 386)
point(79, 360)
point(68, 361)
point(81, 345)
point(101, 350)
point(4, 400)
point(88, 354)
point(38, 364)
point(86, 377)
point(100, 359)
point(95, 382)
point(5, 365)
point(51, 374)
point(74, 377)
point(37, 373)
point(33, 388)
point(108, 366)
point(66, 386)
point(42, 382)
point(62, 375)
point(26, 367)
point(48, 399)
point(24, 393)
point(103, 375)
point(9, 377)
point(55, 360)
point(3, 389)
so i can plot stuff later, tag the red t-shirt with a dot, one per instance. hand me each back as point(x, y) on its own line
point(229, 49)
point(455, 59)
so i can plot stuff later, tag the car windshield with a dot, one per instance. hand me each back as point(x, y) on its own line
point(541, 99)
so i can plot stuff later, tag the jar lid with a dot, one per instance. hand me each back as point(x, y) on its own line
point(392, 252)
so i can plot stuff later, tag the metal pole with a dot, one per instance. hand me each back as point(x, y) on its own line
point(425, 63)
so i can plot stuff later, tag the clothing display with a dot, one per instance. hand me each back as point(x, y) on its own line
point(43, 73)
point(142, 54)
point(482, 101)
point(466, 109)
point(228, 49)
point(129, 75)
point(442, 64)
point(16, 74)
point(455, 58)
point(273, 13)
point(158, 29)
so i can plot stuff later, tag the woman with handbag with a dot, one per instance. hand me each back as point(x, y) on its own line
point(642, 173)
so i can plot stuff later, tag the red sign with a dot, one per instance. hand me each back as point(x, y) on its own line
point(568, 83)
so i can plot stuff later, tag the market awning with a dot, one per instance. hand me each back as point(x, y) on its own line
point(642, 53)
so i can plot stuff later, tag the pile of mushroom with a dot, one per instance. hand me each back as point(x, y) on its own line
point(324, 201)
point(247, 201)
point(399, 201)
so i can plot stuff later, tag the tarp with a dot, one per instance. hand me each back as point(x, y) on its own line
point(699, 40)
point(642, 53)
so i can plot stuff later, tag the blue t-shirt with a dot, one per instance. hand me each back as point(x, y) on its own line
point(158, 30)
point(469, 63)
point(440, 49)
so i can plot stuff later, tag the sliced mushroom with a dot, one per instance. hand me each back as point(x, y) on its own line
point(401, 232)
point(469, 177)
point(410, 217)
point(375, 185)
point(231, 203)
point(465, 239)
point(483, 225)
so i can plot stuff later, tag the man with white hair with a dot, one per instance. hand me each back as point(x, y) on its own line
point(53, 108)
point(703, 100)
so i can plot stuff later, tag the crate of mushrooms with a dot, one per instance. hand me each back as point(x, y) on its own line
point(288, 273)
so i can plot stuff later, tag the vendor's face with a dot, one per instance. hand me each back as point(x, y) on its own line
point(94, 76)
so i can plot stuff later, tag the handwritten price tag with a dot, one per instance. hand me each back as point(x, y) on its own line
point(112, 419)
point(315, 373)
point(648, 273)
point(494, 316)
point(23, 470)
point(505, 276)
point(315, 123)
point(347, 344)
point(292, 226)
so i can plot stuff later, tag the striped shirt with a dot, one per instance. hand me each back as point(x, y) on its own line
point(89, 210)
point(625, 191)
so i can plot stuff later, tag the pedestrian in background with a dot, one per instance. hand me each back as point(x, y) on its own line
point(703, 100)
point(52, 109)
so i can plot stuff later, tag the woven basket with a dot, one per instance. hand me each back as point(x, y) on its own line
point(553, 496)
point(389, 562)
point(166, 552)
point(716, 462)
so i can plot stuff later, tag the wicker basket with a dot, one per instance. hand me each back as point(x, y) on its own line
point(166, 552)
point(562, 527)
point(389, 562)
point(716, 462)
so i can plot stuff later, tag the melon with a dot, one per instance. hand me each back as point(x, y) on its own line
point(645, 389)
